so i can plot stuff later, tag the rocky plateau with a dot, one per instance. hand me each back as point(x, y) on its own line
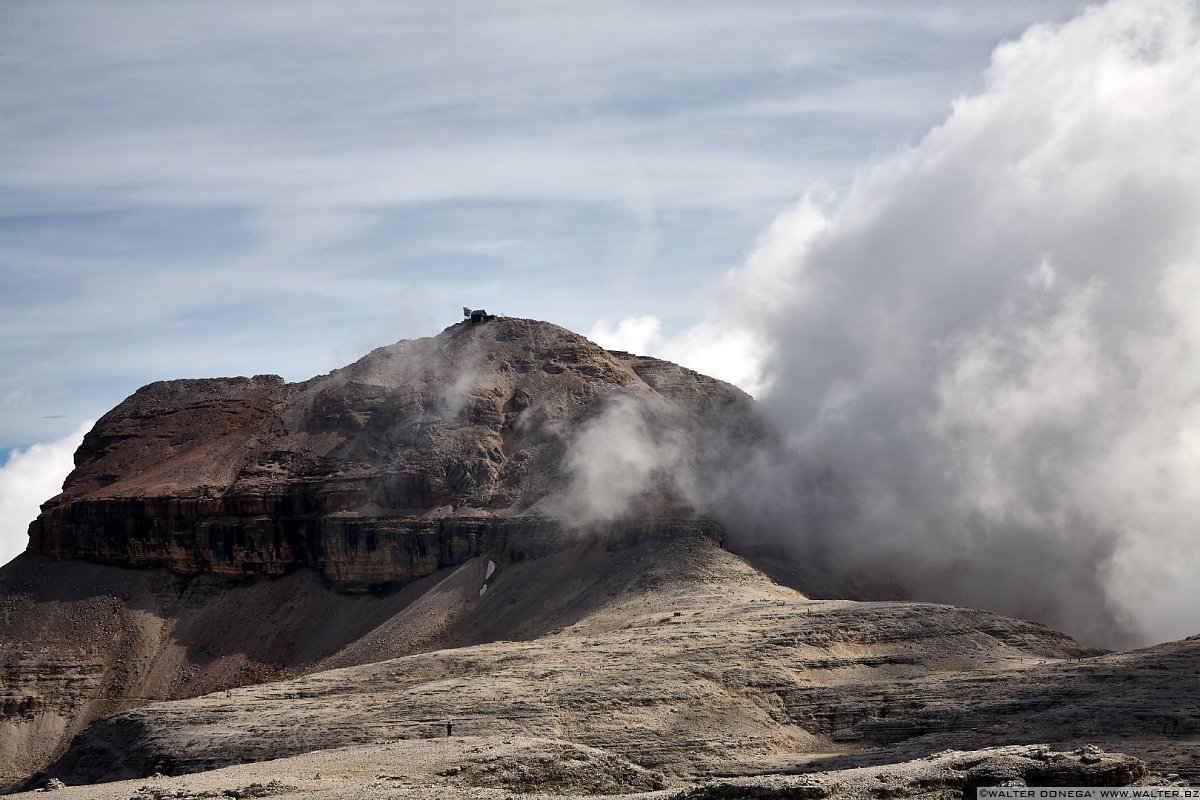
point(385, 582)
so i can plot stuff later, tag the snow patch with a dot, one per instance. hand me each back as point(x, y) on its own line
point(491, 568)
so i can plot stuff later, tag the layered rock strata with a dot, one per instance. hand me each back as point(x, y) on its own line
point(417, 457)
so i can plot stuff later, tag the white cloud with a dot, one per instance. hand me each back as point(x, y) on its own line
point(734, 355)
point(987, 355)
point(638, 335)
point(28, 478)
point(632, 450)
point(730, 353)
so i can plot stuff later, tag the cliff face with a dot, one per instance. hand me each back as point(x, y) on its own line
point(418, 456)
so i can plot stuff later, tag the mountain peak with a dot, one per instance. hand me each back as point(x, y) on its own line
point(429, 440)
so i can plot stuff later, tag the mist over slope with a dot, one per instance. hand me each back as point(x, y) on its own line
point(985, 356)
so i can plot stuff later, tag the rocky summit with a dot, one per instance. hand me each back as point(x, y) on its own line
point(464, 566)
point(417, 457)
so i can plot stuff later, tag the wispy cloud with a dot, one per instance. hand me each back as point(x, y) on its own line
point(247, 188)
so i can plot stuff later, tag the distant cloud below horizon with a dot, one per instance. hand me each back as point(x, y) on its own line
point(29, 477)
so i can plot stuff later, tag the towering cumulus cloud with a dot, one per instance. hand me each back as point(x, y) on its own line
point(986, 356)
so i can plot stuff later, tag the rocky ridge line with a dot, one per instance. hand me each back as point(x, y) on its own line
point(417, 457)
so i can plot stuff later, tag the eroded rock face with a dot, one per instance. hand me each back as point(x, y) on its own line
point(437, 470)
point(378, 480)
point(416, 457)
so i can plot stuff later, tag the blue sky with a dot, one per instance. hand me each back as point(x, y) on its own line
point(236, 188)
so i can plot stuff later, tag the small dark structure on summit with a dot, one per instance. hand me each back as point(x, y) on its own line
point(477, 316)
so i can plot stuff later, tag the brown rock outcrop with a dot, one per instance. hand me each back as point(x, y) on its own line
point(416, 457)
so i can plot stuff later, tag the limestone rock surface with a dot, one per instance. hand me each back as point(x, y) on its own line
point(255, 588)
point(418, 456)
point(512, 767)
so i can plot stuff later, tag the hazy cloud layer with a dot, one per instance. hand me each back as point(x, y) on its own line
point(633, 449)
point(29, 477)
point(986, 355)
